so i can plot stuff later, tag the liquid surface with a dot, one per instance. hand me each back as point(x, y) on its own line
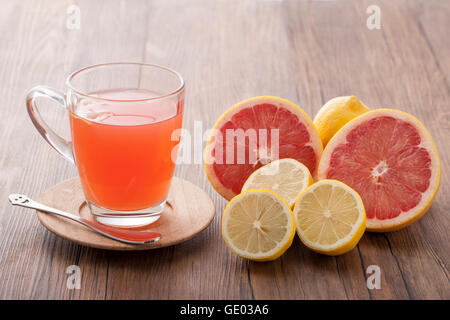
point(124, 150)
point(123, 110)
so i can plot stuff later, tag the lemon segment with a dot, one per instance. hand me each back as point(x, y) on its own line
point(258, 225)
point(330, 217)
point(335, 114)
point(286, 177)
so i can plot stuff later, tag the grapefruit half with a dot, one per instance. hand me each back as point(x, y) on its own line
point(267, 118)
point(390, 159)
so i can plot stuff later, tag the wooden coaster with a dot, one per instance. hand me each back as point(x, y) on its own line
point(190, 211)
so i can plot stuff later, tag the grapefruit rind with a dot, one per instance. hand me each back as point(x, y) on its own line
point(408, 217)
point(316, 143)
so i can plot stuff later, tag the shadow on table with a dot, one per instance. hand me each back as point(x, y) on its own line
point(372, 248)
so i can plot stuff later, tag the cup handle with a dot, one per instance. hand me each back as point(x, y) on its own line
point(62, 146)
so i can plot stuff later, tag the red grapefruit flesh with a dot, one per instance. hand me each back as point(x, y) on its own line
point(390, 159)
point(297, 139)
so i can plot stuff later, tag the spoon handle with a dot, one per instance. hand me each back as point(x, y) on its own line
point(123, 235)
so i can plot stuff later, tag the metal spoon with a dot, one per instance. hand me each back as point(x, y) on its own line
point(123, 235)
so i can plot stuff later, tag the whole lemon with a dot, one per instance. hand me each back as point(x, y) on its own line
point(335, 114)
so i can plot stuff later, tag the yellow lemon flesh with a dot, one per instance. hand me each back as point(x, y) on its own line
point(258, 225)
point(330, 217)
point(286, 177)
point(335, 114)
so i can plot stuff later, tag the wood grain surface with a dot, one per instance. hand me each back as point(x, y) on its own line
point(304, 51)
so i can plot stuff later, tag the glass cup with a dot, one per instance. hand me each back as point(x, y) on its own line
point(122, 120)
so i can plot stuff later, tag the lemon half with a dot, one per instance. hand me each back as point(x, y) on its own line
point(330, 217)
point(258, 225)
point(286, 177)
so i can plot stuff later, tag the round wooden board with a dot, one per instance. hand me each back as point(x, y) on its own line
point(191, 211)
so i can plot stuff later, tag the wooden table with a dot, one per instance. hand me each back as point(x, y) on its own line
point(304, 51)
